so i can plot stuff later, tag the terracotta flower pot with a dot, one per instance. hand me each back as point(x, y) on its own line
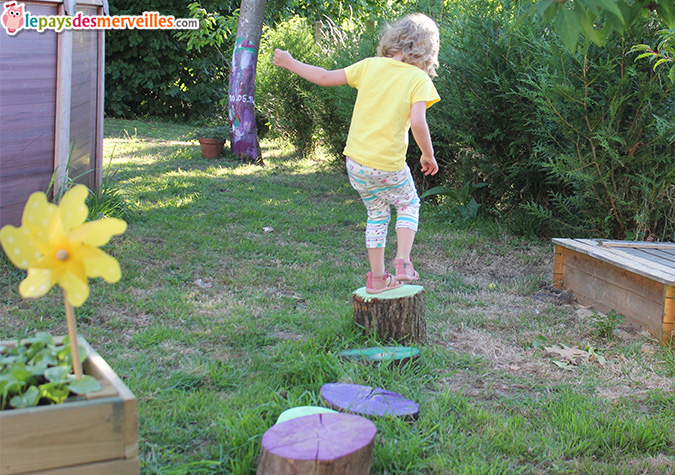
point(211, 148)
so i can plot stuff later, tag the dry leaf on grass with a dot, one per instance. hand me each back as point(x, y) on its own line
point(573, 355)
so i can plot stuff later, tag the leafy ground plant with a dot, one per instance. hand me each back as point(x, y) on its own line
point(606, 324)
point(38, 371)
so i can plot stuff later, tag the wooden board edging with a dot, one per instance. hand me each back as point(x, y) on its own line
point(636, 265)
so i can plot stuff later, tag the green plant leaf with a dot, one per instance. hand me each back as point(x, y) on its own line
point(57, 374)
point(20, 372)
point(28, 399)
point(660, 62)
point(47, 355)
point(438, 190)
point(645, 55)
point(614, 7)
point(38, 368)
point(539, 342)
point(41, 337)
point(55, 392)
point(86, 384)
point(587, 21)
point(568, 28)
point(666, 11)
point(9, 384)
point(543, 5)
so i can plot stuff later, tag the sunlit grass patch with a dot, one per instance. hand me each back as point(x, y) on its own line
point(235, 302)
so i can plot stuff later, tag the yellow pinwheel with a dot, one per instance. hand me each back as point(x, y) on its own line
point(57, 246)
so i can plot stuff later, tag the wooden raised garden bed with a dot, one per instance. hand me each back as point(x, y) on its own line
point(635, 279)
point(96, 434)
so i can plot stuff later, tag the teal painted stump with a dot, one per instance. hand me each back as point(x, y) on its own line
point(383, 354)
point(395, 315)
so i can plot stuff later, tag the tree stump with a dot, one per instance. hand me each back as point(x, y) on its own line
point(393, 315)
point(368, 401)
point(318, 444)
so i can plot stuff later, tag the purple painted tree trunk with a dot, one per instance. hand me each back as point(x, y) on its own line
point(243, 131)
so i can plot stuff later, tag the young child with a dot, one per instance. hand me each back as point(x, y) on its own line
point(394, 92)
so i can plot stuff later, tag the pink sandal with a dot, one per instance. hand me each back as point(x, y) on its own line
point(388, 280)
point(405, 270)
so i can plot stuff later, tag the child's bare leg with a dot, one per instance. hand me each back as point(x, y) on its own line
point(405, 237)
point(376, 258)
point(403, 267)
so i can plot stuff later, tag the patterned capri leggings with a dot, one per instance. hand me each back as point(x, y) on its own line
point(379, 191)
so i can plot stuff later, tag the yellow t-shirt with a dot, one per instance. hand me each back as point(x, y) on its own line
point(387, 88)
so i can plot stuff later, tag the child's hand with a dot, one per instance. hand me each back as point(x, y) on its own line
point(429, 165)
point(281, 58)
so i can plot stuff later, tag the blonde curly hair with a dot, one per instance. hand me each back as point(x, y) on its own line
point(416, 37)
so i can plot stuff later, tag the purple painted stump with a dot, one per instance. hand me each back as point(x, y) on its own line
point(318, 444)
point(368, 401)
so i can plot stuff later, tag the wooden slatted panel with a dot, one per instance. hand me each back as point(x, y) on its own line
point(27, 108)
point(653, 255)
point(607, 287)
point(615, 256)
point(83, 103)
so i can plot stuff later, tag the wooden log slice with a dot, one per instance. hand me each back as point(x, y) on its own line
point(368, 401)
point(395, 354)
point(318, 444)
point(396, 315)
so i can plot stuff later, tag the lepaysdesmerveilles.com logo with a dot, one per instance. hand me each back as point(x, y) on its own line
point(16, 18)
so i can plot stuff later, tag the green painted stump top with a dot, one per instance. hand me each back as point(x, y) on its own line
point(301, 411)
point(400, 292)
point(385, 353)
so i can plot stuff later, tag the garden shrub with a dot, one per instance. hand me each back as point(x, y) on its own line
point(284, 99)
point(152, 73)
point(575, 144)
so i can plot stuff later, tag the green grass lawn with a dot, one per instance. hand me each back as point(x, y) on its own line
point(236, 300)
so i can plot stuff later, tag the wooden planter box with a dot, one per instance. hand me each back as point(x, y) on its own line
point(636, 279)
point(97, 434)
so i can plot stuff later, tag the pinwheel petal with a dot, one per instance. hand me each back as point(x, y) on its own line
point(39, 216)
point(72, 208)
point(99, 264)
point(75, 289)
point(19, 247)
point(37, 283)
point(97, 233)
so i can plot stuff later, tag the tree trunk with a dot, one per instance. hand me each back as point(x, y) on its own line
point(396, 315)
point(243, 131)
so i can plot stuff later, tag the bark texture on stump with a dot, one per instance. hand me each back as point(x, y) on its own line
point(394, 315)
point(318, 444)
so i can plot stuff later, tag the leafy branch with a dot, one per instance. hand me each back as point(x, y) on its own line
point(664, 53)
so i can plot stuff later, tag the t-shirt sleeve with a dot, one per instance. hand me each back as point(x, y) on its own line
point(425, 90)
point(355, 72)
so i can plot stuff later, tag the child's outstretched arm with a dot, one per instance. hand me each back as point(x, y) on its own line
point(420, 130)
point(314, 74)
